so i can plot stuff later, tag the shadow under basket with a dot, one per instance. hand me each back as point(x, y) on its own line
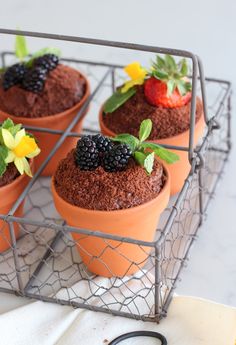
point(111, 258)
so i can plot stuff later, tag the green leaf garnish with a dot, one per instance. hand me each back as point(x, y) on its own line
point(149, 162)
point(41, 52)
point(166, 155)
point(21, 50)
point(170, 63)
point(11, 127)
point(144, 152)
point(128, 139)
point(3, 155)
point(3, 166)
point(145, 129)
point(7, 124)
point(117, 99)
point(140, 157)
point(183, 67)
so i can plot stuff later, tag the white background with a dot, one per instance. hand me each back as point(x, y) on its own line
point(206, 27)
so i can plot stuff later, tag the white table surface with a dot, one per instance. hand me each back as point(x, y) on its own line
point(211, 272)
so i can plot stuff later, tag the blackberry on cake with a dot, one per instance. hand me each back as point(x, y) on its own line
point(86, 154)
point(103, 143)
point(117, 158)
point(14, 75)
point(48, 61)
point(34, 79)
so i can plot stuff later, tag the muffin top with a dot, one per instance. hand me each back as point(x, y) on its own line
point(64, 87)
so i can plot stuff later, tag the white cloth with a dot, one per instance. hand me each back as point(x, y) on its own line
point(190, 321)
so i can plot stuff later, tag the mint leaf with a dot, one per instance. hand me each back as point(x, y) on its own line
point(15, 129)
point(3, 166)
point(140, 157)
point(7, 124)
point(21, 50)
point(145, 129)
point(117, 99)
point(41, 52)
point(146, 160)
point(148, 163)
point(3, 152)
point(128, 139)
point(166, 155)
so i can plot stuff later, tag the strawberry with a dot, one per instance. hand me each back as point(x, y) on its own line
point(156, 93)
point(168, 85)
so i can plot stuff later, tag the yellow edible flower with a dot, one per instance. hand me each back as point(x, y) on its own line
point(137, 75)
point(20, 147)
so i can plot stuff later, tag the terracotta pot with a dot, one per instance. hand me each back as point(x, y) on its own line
point(8, 196)
point(109, 257)
point(179, 170)
point(47, 141)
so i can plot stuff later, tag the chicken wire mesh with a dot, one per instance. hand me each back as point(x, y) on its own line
point(45, 260)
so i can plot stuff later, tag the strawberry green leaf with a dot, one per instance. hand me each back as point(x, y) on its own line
point(183, 87)
point(161, 75)
point(128, 139)
point(171, 85)
point(170, 63)
point(145, 129)
point(160, 62)
point(148, 163)
point(183, 68)
point(21, 50)
point(166, 155)
point(117, 99)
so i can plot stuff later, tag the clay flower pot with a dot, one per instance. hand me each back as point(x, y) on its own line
point(180, 169)
point(47, 141)
point(109, 257)
point(8, 196)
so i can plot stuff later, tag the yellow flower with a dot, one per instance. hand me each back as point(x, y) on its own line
point(137, 75)
point(20, 147)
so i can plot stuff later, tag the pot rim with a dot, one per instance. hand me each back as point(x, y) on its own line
point(165, 188)
point(56, 116)
point(12, 184)
point(111, 133)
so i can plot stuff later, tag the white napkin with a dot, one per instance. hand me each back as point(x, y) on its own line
point(190, 321)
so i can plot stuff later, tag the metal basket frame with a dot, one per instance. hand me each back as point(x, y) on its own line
point(196, 159)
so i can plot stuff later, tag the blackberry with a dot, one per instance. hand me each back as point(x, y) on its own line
point(14, 75)
point(86, 154)
point(103, 144)
point(117, 158)
point(34, 79)
point(47, 61)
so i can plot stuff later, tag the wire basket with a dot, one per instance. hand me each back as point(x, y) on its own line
point(44, 262)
